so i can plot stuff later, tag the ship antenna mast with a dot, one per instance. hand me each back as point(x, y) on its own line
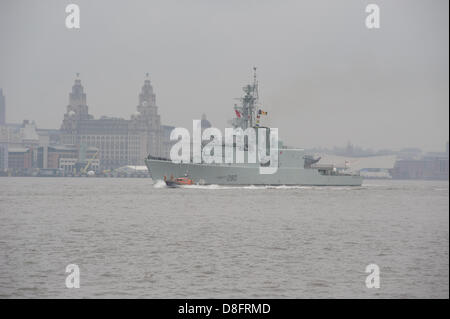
point(254, 98)
point(246, 113)
point(255, 83)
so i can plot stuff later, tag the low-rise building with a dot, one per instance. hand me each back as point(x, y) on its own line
point(3, 157)
point(20, 159)
point(435, 168)
point(70, 158)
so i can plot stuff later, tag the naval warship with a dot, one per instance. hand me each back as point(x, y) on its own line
point(294, 166)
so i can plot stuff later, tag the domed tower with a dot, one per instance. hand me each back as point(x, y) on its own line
point(77, 110)
point(77, 100)
point(147, 98)
point(145, 125)
point(147, 116)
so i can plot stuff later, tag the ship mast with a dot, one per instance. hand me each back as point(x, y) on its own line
point(255, 97)
point(246, 112)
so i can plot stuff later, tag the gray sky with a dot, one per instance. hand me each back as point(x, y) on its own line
point(324, 77)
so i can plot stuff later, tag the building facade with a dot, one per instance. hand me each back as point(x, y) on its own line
point(3, 157)
point(2, 108)
point(119, 141)
point(20, 159)
point(70, 159)
point(432, 168)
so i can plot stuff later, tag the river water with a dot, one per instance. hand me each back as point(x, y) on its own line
point(131, 238)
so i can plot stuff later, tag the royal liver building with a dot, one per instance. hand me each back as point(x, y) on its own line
point(119, 141)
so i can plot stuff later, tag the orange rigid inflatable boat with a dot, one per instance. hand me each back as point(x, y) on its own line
point(179, 181)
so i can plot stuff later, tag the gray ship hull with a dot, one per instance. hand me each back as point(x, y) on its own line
point(246, 174)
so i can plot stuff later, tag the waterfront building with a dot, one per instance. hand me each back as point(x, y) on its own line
point(19, 142)
point(433, 168)
point(20, 159)
point(120, 141)
point(2, 108)
point(70, 159)
point(3, 157)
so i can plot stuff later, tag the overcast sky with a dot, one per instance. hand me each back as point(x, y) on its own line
point(325, 79)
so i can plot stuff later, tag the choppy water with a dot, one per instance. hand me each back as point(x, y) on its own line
point(131, 239)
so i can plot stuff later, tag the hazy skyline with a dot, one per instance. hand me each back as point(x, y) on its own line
point(325, 78)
